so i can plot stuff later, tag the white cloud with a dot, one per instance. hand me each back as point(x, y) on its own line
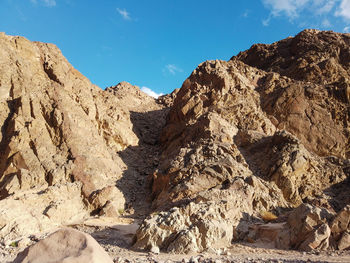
point(323, 6)
point(172, 69)
point(289, 8)
point(150, 92)
point(346, 29)
point(49, 3)
point(315, 13)
point(125, 14)
point(293, 8)
point(266, 21)
point(344, 9)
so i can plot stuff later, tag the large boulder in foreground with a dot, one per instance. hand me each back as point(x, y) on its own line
point(65, 246)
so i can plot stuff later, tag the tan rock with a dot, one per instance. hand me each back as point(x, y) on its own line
point(275, 235)
point(319, 239)
point(309, 228)
point(341, 222)
point(320, 57)
point(232, 126)
point(65, 245)
point(59, 158)
point(344, 242)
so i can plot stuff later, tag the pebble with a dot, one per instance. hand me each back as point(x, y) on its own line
point(193, 260)
point(155, 250)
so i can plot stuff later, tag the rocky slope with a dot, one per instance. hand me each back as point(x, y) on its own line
point(60, 141)
point(254, 149)
point(241, 142)
point(321, 58)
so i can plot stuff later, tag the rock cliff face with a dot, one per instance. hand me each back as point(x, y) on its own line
point(240, 141)
point(315, 57)
point(263, 134)
point(60, 138)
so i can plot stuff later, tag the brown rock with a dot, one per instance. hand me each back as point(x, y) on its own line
point(318, 114)
point(309, 228)
point(341, 222)
point(65, 245)
point(61, 136)
point(235, 127)
point(344, 242)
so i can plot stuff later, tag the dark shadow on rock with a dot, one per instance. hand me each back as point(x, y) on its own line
point(257, 150)
point(7, 131)
point(141, 161)
point(339, 193)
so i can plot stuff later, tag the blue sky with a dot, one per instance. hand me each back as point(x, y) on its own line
point(158, 43)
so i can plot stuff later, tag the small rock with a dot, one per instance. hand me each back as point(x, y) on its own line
point(155, 250)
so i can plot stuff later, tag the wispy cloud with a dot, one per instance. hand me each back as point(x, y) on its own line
point(245, 14)
point(289, 8)
point(326, 23)
point(48, 3)
point(173, 69)
point(150, 92)
point(324, 6)
point(344, 9)
point(125, 14)
point(266, 21)
point(319, 13)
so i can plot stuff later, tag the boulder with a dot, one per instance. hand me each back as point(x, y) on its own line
point(344, 242)
point(309, 227)
point(65, 246)
point(340, 228)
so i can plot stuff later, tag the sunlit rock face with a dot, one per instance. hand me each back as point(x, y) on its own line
point(60, 138)
point(265, 131)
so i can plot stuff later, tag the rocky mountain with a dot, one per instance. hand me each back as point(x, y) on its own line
point(241, 141)
point(60, 139)
point(254, 149)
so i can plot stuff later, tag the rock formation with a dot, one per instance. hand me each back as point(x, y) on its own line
point(60, 138)
point(252, 149)
point(240, 141)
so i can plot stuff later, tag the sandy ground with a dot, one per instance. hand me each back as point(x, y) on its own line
point(116, 238)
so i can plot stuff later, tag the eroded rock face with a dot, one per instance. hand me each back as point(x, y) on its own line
point(316, 114)
point(256, 139)
point(60, 138)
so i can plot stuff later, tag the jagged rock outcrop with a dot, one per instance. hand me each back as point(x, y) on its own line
point(254, 140)
point(316, 114)
point(60, 138)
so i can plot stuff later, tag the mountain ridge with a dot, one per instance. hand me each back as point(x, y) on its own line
point(197, 169)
